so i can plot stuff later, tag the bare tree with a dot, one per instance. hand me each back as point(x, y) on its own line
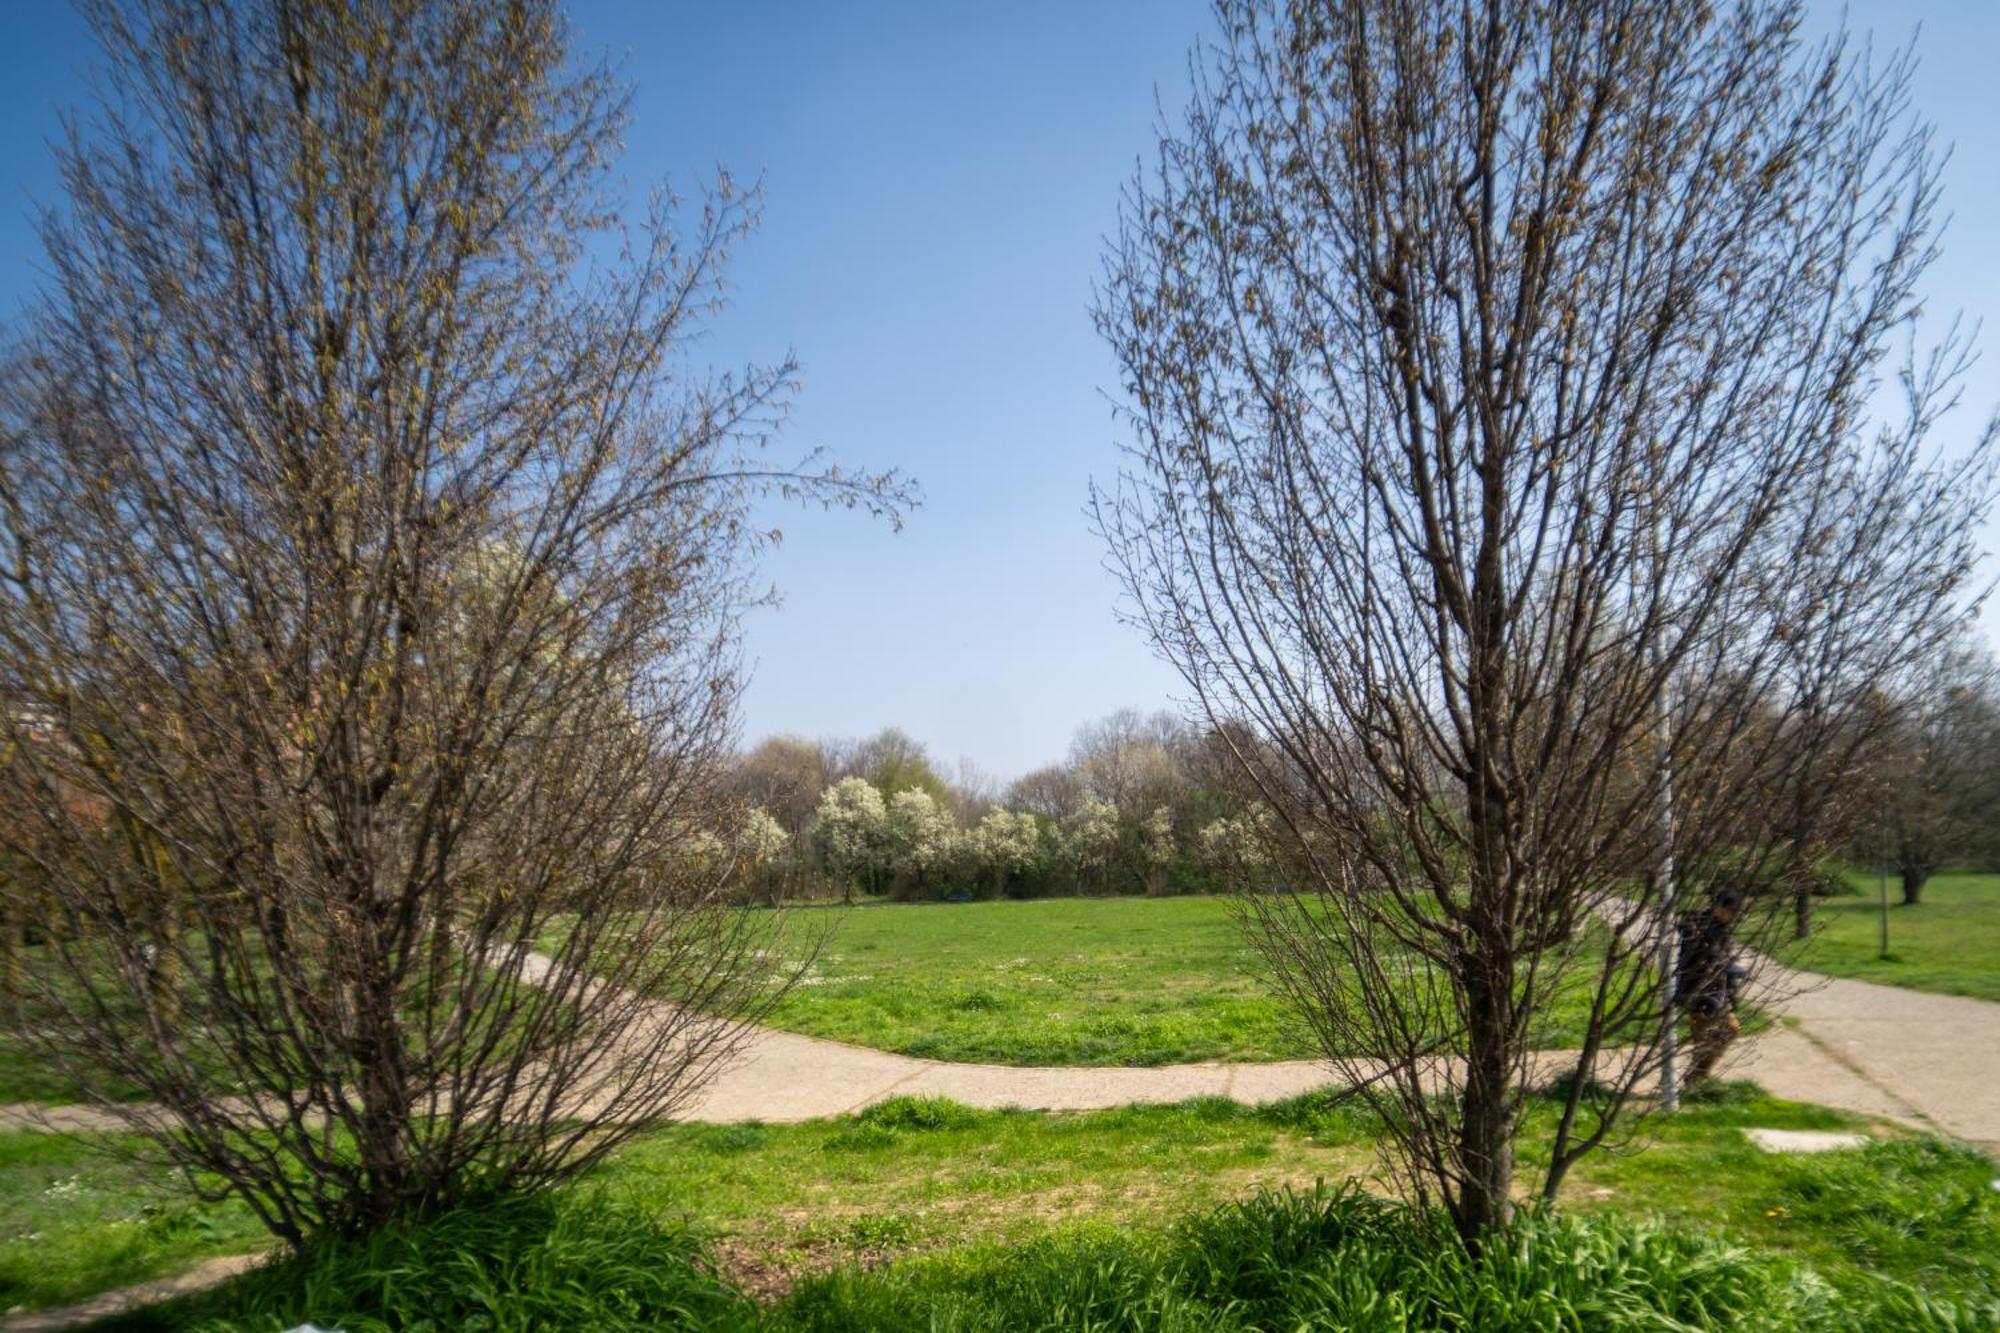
point(1500, 377)
point(785, 775)
point(372, 564)
point(1054, 792)
point(1942, 770)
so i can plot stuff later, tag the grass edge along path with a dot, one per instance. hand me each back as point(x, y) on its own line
point(1947, 944)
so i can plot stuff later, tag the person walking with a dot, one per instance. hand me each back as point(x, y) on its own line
point(1706, 978)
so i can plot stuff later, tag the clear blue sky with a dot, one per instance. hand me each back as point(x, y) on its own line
point(939, 178)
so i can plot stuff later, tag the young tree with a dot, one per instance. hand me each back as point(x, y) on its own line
point(372, 565)
point(760, 842)
point(1498, 375)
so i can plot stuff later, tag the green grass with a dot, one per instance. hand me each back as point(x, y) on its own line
point(75, 1221)
point(917, 1180)
point(518, 1262)
point(1060, 981)
point(1948, 943)
point(922, 1214)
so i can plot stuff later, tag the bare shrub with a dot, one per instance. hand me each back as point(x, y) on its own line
point(373, 559)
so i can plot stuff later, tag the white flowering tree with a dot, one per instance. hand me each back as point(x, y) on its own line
point(1237, 845)
point(1157, 848)
point(851, 833)
point(1008, 843)
point(1090, 840)
point(918, 836)
point(760, 841)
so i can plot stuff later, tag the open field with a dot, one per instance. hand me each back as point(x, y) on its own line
point(916, 1178)
point(1058, 981)
point(1949, 943)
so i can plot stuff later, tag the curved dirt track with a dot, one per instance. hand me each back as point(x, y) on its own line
point(1928, 1060)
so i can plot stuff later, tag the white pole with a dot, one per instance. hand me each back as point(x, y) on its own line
point(1663, 812)
point(1670, 1087)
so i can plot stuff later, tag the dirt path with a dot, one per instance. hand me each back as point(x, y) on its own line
point(208, 1273)
point(1928, 1060)
point(1931, 1061)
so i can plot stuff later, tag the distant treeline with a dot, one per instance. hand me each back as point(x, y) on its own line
point(1150, 804)
point(1142, 804)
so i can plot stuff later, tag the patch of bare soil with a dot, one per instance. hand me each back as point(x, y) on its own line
point(767, 1272)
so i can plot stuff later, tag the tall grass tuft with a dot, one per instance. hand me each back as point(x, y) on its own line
point(1340, 1259)
point(522, 1262)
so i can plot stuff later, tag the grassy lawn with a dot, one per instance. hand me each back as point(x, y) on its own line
point(913, 1178)
point(1949, 943)
point(923, 1175)
point(1059, 981)
point(74, 1221)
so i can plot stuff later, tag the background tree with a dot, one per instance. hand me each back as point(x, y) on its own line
point(894, 761)
point(372, 563)
point(1497, 374)
point(851, 834)
point(917, 838)
point(1008, 845)
point(1942, 765)
point(1055, 792)
point(785, 775)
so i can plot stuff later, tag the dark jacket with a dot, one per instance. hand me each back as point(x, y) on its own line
point(1705, 980)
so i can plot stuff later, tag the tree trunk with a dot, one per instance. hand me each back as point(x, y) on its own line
point(382, 1126)
point(1914, 880)
point(1801, 912)
point(1486, 1131)
point(11, 942)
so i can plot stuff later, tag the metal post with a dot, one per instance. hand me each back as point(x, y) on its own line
point(1882, 865)
point(1670, 1084)
point(1670, 1079)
